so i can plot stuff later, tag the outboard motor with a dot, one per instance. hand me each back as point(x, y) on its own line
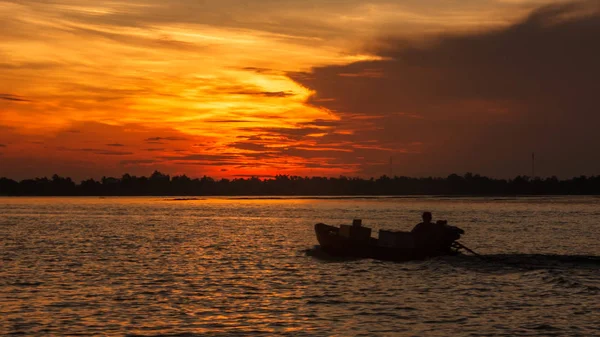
point(450, 233)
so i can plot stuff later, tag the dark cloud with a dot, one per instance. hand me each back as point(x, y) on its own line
point(91, 151)
point(328, 150)
point(475, 102)
point(262, 70)
point(14, 98)
point(288, 133)
point(155, 149)
point(329, 154)
point(114, 153)
point(225, 159)
point(224, 121)
point(106, 152)
point(251, 146)
point(2, 145)
point(253, 176)
point(263, 93)
point(260, 155)
point(202, 157)
point(321, 123)
point(321, 165)
point(137, 161)
point(254, 138)
point(250, 90)
point(158, 139)
point(205, 163)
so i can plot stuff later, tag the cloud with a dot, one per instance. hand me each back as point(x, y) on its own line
point(283, 133)
point(157, 139)
point(228, 121)
point(262, 93)
point(29, 66)
point(95, 154)
point(202, 157)
point(115, 144)
point(250, 146)
point(262, 70)
point(14, 98)
point(132, 40)
point(137, 161)
point(478, 101)
point(253, 176)
point(113, 153)
point(106, 152)
point(475, 100)
point(247, 90)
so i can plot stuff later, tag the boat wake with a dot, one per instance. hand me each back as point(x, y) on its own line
point(494, 261)
point(527, 261)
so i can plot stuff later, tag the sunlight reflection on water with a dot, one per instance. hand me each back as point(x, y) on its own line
point(222, 266)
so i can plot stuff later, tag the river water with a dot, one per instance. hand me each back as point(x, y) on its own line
point(242, 266)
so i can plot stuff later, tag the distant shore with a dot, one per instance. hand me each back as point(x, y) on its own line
point(159, 184)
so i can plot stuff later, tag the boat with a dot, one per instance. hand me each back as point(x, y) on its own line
point(355, 241)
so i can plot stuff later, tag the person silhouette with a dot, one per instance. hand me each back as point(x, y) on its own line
point(424, 226)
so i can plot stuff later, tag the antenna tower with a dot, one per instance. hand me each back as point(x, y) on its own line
point(532, 165)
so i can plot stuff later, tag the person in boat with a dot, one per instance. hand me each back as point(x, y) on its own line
point(424, 226)
point(434, 236)
point(429, 233)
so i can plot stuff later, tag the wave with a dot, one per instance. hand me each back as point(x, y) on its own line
point(320, 254)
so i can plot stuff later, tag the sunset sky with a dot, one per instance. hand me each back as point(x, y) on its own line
point(236, 88)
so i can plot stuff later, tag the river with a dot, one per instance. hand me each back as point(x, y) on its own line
point(150, 266)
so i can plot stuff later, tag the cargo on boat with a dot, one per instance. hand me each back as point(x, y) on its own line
point(356, 241)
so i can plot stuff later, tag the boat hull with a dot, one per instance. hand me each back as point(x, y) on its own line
point(333, 243)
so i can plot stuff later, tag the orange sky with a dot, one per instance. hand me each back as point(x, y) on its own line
point(231, 88)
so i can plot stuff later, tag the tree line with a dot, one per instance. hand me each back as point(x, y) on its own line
point(181, 185)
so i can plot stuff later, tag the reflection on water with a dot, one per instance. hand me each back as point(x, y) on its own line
point(219, 266)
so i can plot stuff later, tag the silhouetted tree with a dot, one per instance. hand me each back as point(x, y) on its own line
point(162, 184)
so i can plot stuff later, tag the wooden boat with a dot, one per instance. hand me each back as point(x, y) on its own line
point(355, 241)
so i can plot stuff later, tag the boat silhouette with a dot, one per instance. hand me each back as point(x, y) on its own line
point(356, 241)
